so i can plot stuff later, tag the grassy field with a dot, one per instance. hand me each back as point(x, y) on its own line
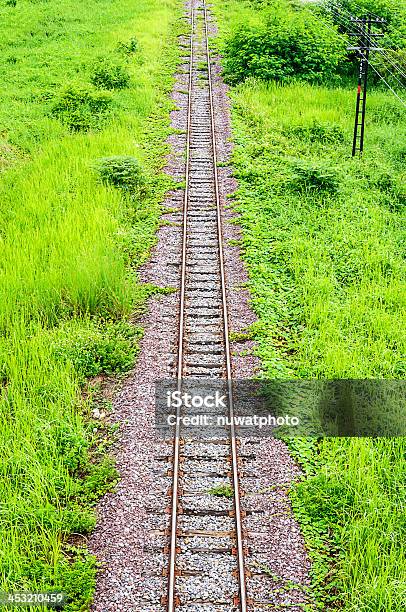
point(323, 241)
point(79, 82)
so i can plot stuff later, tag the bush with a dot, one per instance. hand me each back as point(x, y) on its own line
point(109, 75)
point(318, 132)
point(124, 172)
point(81, 108)
point(129, 47)
point(94, 350)
point(314, 176)
point(289, 45)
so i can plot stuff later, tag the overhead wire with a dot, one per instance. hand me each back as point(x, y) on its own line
point(345, 20)
point(339, 7)
point(370, 39)
point(387, 84)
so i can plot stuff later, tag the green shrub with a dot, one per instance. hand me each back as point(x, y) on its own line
point(289, 45)
point(75, 575)
point(78, 519)
point(314, 176)
point(128, 47)
point(389, 112)
point(71, 446)
point(385, 66)
point(107, 74)
point(81, 108)
point(100, 479)
point(124, 172)
point(11, 2)
point(94, 349)
point(392, 188)
point(318, 132)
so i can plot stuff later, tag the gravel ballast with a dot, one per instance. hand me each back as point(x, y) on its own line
point(132, 528)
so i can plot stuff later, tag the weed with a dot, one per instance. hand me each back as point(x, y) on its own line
point(81, 108)
point(107, 74)
point(317, 132)
point(313, 176)
point(9, 155)
point(129, 47)
point(99, 479)
point(242, 336)
point(75, 575)
point(222, 491)
point(94, 349)
point(122, 171)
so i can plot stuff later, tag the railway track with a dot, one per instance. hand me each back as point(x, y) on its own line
point(206, 551)
point(175, 535)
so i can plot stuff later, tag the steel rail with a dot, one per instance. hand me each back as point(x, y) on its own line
point(233, 442)
point(171, 593)
point(176, 448)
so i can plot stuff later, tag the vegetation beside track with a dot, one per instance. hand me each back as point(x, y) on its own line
point(80, 82)
point(323, 241)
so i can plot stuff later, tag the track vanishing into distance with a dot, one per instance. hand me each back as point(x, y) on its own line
point(201, 519)
point(195, 552)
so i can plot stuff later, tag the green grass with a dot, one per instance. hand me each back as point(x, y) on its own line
point(326, 260)
point(323, 241)
point(70, 246)
point(222, 491)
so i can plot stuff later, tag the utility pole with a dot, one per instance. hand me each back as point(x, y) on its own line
point(365, 37)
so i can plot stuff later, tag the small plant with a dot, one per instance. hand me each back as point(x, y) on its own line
point(318, 132)
point(109, 75)
point(11, 2)
point(242, 336)
point(129, 47)
point(94, 350)
point(100, 479)
point(81, 108)
point(124, 172)
point(222, 491)
point(314, 176)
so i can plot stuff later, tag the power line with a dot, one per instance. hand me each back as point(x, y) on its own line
point(362, 28)
point(394, 63)
point(363, 8)
point(394, 76)
point(383, 52)
point(331, 3)
point(378, 50)
point(387, 84)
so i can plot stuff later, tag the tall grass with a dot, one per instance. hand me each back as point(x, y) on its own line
point(70, 246)
point(323, 240)
point(330, 264)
